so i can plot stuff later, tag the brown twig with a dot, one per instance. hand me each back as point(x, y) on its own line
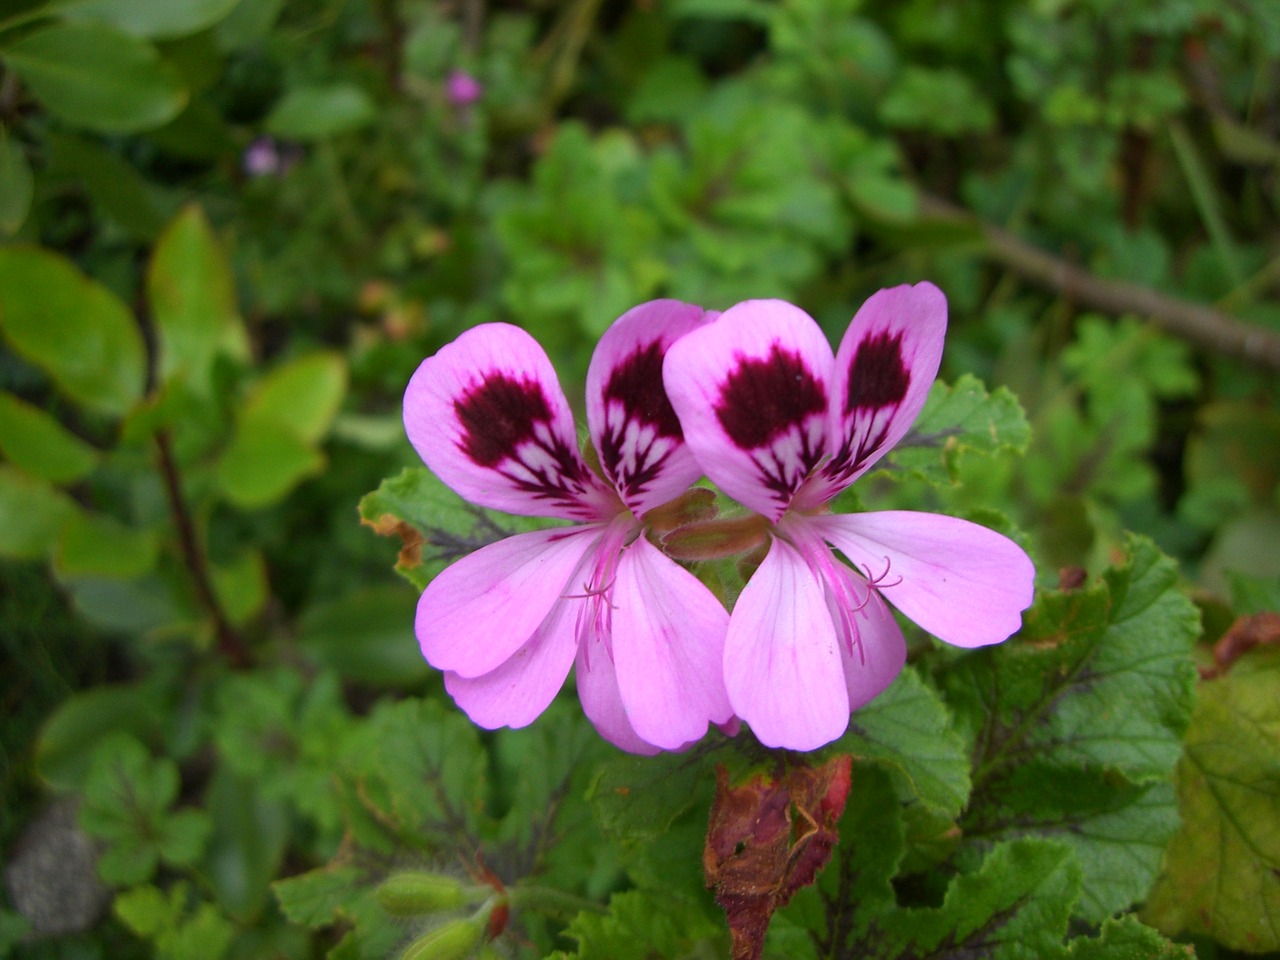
point(1201, 325)
point(230, 643)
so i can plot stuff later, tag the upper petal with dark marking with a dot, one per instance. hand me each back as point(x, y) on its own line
point(487, 415)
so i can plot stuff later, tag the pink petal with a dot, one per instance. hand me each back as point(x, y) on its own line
point(884, 368)
point(782, 658)
point(516, 693)
point(487, 415)
point(668, 648)
point(632, 424)
point(478, 612)
point(963, 583)
point(878, 656)
point(601, 700)
point(752, 392)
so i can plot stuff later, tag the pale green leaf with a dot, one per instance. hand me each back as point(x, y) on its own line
point(1221, 876)
point(193, 301)
point(94, 544)
point(303, 394)
point(315, 113)
point(40, 445)
point(76, 330)
point(17, 186)
point(263, 462)
point(32, 514)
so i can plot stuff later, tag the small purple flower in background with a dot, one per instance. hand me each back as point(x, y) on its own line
point(261, 158)
point(506, 623)
point(782, 425)
point(462, 89)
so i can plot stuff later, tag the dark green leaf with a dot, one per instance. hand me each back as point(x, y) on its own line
point(316, 113)
point(96, 77)
point(367, 636)
point(32, 514)
point(16, 185)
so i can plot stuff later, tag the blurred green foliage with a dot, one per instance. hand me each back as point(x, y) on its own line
point(231, 229)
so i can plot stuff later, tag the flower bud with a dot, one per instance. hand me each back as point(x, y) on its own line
point(411, 894)
point(450, 941)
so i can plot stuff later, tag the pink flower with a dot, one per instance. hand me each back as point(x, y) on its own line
point(462, 89)
point(506, 622)
point(782, 426)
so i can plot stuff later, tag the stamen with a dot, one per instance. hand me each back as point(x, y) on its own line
point(877, 582)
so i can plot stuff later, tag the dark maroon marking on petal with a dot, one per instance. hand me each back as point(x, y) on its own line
point(877, 376)
point(498, 415)
point(636, 383)
point(763, 399)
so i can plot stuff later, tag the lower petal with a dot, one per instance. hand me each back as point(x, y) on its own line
point(478, 612)
point(601, 699)
point(668, 648)
point(878, 656)
point(516, 693)
point(963, 583)
point(782, 659)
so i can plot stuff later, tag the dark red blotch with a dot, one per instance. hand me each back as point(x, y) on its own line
point(498, 415)
point(636, 383)
point(877, 376)
point(764, 398)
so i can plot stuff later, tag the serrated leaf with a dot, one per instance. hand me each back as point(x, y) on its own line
point(96, 77)
point(958, 420)
point(645, 925)
point(422, 768)
point(1221, 875)
point(1078, 724)
point(908, 729)
point(193, 301)
point(313, 899)
point(40, 445)
point(434, 524)
point(1124, 938)
point(1015, 905)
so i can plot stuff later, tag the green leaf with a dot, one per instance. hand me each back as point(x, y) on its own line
point(40, 445)
point(908, 729)
point(942, 101)
point(646, 925)
point(17, 185)
point(315, 899)
point(263, 462)
point(127, 795)
point(93, 544)
point(1221, 875)
point(32, 514)
point(181, 927)
point(367, 636)
point(1015, 905)
point(68, 740)
point(422, 770)
point(435, 525)
point(74, 329)
point(140, 208)
point(246, 849)
point(303, 394)
point(241, 586)
point(1124, 938)
point(315, 113)
point(1077, 724)
point(96, 77)
point(193, 301)
point(148, 18)
point(958, 420)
